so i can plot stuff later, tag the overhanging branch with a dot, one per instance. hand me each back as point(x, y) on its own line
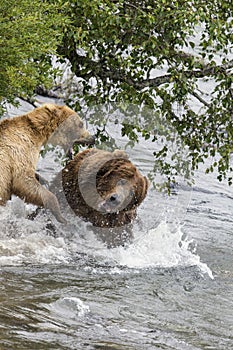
point(120, 76)
point(200, 73)
point(85, 68)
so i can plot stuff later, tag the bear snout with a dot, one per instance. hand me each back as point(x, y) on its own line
point(85, 140)
point(110, 204)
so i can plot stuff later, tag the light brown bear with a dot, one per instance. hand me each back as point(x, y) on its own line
point(21, 139)
point(105, 188)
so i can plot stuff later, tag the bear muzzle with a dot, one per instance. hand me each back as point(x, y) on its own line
point(85, 141)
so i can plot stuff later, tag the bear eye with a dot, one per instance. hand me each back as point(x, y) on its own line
point(113, 197)
point(81, 125)
point(122, 182)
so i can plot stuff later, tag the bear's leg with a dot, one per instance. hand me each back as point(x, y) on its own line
point(4, 197)
point(30, 190)
point(41, 180)
point(5, 189)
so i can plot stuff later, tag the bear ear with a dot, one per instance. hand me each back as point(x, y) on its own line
point(118, 153)
point(147, 184)
point(141, 189)
point(50, 106)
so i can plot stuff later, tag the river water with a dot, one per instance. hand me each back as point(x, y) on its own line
point(172, 288)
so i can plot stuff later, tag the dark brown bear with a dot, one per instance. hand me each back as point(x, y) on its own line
point(105, 188)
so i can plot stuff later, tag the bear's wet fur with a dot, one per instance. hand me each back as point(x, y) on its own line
point(21, 139)
point(105, 188)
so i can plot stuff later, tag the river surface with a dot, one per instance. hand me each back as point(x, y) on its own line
point(172, 288)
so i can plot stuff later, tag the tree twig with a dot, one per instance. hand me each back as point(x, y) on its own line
point(200, 99)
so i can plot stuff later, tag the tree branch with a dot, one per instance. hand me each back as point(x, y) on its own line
point(199, 98)
point(200, 73)
point(151, 82)
point(41, 90)
point(98, 69)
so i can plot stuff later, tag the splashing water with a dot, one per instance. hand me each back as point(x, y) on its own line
point(159, 248)
point(69, 308)
point(25, 241)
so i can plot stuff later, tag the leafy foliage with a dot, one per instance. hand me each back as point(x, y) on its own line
point(159, 55)
point(28, 37)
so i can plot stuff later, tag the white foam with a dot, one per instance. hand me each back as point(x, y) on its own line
point(25, 241)
point(34, 248)
point(69, 307)
point(158, 248)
